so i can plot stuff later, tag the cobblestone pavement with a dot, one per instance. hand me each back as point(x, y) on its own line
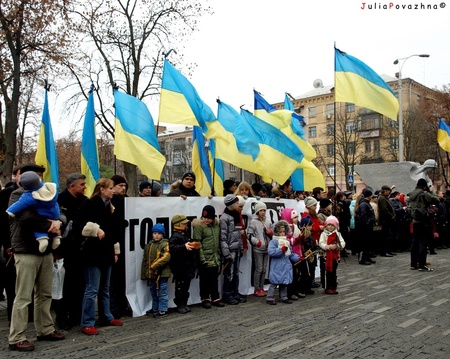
point(384, 310)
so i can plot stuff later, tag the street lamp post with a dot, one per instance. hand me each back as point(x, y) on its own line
point(401, 155)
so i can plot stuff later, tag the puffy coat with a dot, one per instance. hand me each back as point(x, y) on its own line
point(209, 238)
point(256, 231)
point(182, 262)
point(280, 271)
point(156, 260)
point(230, 234)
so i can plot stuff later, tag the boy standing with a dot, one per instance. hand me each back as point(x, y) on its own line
point(156, 269)
point(183, 255)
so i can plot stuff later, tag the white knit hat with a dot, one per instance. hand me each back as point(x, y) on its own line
point(259, 206)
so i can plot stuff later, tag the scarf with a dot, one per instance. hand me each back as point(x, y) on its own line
point(334, 255)
point(284, 242)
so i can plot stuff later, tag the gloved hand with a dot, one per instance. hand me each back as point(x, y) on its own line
point(258, 244)
point(435, 235)
point(284, 249)
point(269, 232)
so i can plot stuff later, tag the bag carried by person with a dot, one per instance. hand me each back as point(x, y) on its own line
point(58, 278)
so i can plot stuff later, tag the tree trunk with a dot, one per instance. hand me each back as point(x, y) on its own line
point(131, 177)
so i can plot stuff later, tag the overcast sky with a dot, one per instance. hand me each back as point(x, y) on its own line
point(278, 46)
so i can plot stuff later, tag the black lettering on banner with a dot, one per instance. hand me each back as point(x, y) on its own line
point(146, 232)
point(132, 224)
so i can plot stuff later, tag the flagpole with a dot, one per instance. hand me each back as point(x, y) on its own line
point(334, 116)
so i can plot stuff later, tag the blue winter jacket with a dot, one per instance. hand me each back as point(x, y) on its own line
point(280, 271)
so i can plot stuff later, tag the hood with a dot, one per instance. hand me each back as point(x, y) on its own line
point(286, 215)
point(45, 193)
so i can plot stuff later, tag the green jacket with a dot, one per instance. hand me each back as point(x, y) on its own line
point(420, 200)
point(209, 238)
point(156, 260)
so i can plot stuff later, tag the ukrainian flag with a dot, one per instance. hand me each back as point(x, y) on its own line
point(46, 150)
point(307, 175)
point(135, 136)
point(283, 120)
point(216, 165)
point(89, 152)
point(443, 135)
point(180, 102)
point(357, 83)
point(288, 105)
point(200, 163)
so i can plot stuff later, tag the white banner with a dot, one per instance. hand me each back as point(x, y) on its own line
point(143, 212)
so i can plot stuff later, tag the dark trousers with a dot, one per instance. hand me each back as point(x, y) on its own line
point(231, 277)
point(305, 276)
point(419, 244)
point(182, 284)
point(385, 238)
point(331, 277)
point(294, 287)
point(365, 239)
point(208, 283)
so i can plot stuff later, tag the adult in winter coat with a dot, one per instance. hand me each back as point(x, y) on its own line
point(364, 221)
point(96, 225)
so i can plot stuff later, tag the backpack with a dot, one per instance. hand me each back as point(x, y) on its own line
point(419, 211)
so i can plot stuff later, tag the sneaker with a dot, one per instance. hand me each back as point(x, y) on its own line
point(287, 301)
point(293, 297)
point(115, 323)
point(301, 295)
point(425, 269)
point(90, 331)
point(241, 298)
point(151, 312)
point(162, 313)
point(330, 291)
point(413, 267)
point(271, 302)
point(232, 301)
point(259, 293)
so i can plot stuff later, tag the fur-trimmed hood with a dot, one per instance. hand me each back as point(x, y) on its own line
point(45, 193)
point(197, 222)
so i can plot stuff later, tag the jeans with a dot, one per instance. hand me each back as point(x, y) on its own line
point(160, 294)
point(97, 283)
point(231, 277)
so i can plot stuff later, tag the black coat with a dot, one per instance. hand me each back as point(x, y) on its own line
point(182, 261)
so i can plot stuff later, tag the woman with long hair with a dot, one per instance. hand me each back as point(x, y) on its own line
point(95, 224)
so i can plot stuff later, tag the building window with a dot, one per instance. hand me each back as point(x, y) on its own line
point(349, 107)
point(394, 143)
point(392, 123)
point(330, 130)
point(312, 112)
point(329, 110)
point(330, 169)
point(350, 127)
point(330, 149)
point(369, 123)
point(316, 148)
point(312, 131)
point(233, 168)
point(351, 148)
point(376, 147)
point(368, 146)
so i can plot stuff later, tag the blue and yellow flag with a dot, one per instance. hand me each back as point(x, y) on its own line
point(357, 83)
point(180, 102)
point(284, 121)
point(217, 170)
point(46, 150)
point(200, 163)
point(90, 166)
point(288, 105)
point(443, 135)
point(135, 136)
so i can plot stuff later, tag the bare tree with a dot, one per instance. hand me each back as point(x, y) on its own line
point(34, 35)
point(129, 38)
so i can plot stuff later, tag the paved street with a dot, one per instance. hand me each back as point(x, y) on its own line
point(382, 311)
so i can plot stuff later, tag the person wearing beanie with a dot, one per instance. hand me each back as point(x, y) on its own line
point(229, 186)
point(387, 219)
point(145, 189)
point(184, 188)
point(42, 197)
point(184, 254)
point(207, 233)
point(231, 245)
point(156, 271)
point(332, 243)
point(325, 209)
point(364, 222)
point(281, 261)
point(119, 301)
point(156, 189)
point(259, 234)
point(420, 199)
point(291, 216)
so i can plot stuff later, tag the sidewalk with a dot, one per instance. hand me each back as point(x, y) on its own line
point(384, 310)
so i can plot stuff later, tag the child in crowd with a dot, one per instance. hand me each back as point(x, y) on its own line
point(207, 233)
point(231, 228)
point(291, 216)
point(281, 258)
point(183, 258)
point(156, 270)
point(306, 266)
point(43, 198)
point(244, 189)
point(332, 243)
point(260, 234)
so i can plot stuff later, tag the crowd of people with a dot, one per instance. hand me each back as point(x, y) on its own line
point(39, 228)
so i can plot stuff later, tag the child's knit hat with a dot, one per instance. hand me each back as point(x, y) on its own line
point(30, 181)
point(306, 221)
point(310, 201)
point(159, 228)
point(209, 212)
point(230, 200)
point(332, 220)
point(259, 206)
